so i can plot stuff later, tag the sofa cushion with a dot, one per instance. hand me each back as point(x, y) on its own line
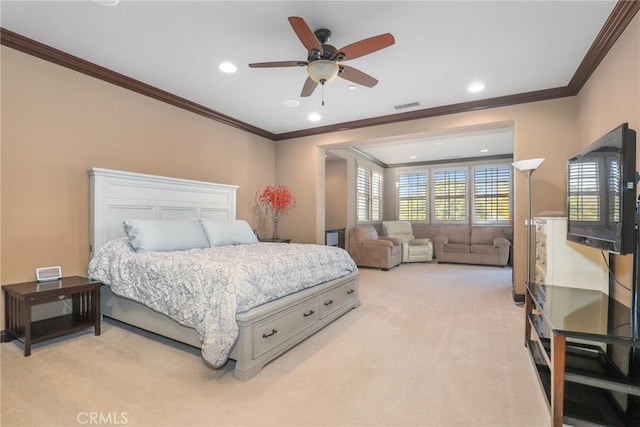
point(484, 249)
point(420, 250)
point(456, 247)
point(485, 236)
point(364, 233)
point(457, 234)
point(419, 242)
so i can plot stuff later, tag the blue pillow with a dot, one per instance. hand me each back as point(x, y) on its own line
point(154, 235)
point(229, 232)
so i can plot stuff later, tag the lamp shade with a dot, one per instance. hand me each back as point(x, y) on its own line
point(528, 165)
point(322, 70)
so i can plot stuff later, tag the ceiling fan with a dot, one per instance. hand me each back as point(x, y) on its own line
point(324, 61)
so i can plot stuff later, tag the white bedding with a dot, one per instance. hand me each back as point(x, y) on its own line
point(206, 288)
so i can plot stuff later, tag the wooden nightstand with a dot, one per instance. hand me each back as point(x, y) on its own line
point(20, 297)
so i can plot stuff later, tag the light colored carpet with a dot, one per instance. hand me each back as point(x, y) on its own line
point(431, 345)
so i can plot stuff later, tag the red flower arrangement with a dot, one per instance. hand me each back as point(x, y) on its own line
point(277, 198)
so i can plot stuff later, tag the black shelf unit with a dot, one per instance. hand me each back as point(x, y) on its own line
point(592, 383)
point(581, 401)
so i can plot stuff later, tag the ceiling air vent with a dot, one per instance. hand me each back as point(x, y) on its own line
point(409, 105)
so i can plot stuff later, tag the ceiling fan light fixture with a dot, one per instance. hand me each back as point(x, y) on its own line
point(323, 71)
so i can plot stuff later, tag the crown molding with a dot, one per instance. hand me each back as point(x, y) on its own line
point(48, 53)
point(620, 17)
point(622, 14)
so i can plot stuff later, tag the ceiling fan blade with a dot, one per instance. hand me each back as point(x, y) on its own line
point(279, 64)
point(364, 47)
point(304, 33)
point(308, 88)
point(356, 76)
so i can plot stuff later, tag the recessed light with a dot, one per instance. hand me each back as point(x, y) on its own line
point(351, 87)
point(412, 157)
point(439, 143)
point(227, 67)
point(484, 150)
point(108, 2)
point(475, 87)
point(314, 117)
point(291, 103)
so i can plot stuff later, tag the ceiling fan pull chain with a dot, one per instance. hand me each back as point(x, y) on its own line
point(323, 94)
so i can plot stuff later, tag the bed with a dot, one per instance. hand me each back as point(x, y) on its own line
point(263, 332)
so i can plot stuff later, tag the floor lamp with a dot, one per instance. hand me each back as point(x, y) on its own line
point(527, 167)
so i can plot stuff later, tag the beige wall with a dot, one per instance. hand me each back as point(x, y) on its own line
point(541, 129)
point(336, 189)
point(611, 97)
point(57, 123)
point(553, 129)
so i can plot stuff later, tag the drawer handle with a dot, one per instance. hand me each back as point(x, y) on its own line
point(273, 332)
point(329, 302)
point(309, 313)
point(350, 291)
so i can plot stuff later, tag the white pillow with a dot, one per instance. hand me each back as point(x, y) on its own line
point(154, 235)
point(231, 232)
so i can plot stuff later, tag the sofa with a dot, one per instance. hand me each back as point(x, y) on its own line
point(472, 245)
point(370, 250)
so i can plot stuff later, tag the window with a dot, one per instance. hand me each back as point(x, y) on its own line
point(584, 193)
point(450, 195)
point(369, 193)
point(413, 196)
point(471, 194)
point(615, 183)
point(491, 194)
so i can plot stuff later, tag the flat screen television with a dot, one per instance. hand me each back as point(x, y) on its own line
point(601, 193)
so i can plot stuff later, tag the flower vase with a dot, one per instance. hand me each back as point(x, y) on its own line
point(276, 217)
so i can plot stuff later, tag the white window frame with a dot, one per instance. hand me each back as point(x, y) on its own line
point(373, 199)
point(470, 167)
point(474, 215)
point(414, 198)
point(434, 171)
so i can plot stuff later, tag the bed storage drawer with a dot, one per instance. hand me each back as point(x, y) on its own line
point(291, 317)
point(337, 297)
point(277, 328)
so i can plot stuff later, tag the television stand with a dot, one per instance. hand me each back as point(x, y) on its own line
point(567, 333)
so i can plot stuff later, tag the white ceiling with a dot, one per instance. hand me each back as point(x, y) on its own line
point(512, 46)
point(450, 146)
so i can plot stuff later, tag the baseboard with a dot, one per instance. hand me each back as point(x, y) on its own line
point(518, 298)
point(5, 336)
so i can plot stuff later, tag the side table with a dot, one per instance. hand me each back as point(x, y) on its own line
point(20, 297)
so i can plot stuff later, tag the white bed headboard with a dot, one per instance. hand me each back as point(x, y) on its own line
point(117, 195)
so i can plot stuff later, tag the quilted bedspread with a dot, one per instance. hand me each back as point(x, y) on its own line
point(206, 288)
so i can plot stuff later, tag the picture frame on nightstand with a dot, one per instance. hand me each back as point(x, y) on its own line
point(46, 274)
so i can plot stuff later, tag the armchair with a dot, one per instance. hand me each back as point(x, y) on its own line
point(369, 250)
point(413, 250)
